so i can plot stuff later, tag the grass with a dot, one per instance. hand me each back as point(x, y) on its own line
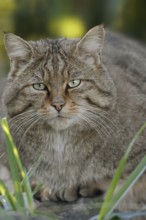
point(112, 200)
point(21, 200)
point(18, 175)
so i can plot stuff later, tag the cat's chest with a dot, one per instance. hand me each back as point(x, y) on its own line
point(62, 148)
point(56, 146)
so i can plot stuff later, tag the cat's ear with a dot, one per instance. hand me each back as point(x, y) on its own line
point(90, 46)
point(17, 48)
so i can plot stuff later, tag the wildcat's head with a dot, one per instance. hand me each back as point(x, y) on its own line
point(58, 82)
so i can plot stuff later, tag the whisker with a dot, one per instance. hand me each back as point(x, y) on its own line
point(31, 125)
point(18, 126)
point(102, 123)
point(99, 126)
point(89, 123)
point(103, 114)
point(19, 120)
point(101, 118)
point(19, 115)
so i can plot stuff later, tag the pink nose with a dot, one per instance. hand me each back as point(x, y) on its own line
point(58, 105)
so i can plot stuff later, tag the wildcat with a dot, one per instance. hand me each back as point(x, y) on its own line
point(75, 110)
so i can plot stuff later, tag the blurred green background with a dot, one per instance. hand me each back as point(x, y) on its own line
point(34, 19)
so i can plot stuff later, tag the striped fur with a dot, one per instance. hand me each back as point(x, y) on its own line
point(98, 118)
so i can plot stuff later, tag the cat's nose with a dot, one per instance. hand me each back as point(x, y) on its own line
point(58, 102)
point(58, 105)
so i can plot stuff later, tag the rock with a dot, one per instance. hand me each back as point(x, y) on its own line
point(83, 209)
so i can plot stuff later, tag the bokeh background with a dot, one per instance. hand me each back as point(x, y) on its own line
point(34, 19)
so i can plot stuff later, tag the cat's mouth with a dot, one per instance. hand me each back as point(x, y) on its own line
point(61, 122)
point(59, 116)
point(62, 117)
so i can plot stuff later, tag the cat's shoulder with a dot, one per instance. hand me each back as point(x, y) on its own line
point(125, 59)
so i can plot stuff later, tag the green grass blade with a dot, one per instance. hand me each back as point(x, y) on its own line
point(107, 204)
point(29, 194)
point(17, 168)
point(33, 169)
point(11, 200)
point(37, 188)
point(127, 185)
point(12, 159)
point(15, 175)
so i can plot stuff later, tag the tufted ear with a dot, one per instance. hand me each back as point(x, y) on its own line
point(90, 46)
point(17, 48)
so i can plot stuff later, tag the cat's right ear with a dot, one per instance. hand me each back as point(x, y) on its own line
point(90, 46)
point(17, 48)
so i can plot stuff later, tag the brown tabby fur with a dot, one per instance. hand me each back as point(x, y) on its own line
point(80, 146)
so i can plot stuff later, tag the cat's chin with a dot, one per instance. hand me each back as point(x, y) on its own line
point(60, 123)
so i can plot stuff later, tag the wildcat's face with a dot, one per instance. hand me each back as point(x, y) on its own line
point(60, 83)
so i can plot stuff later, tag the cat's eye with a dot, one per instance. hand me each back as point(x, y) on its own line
point(74, 83)
point(39, 86)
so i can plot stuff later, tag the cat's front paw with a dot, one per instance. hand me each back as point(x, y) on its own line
point(67, 195)
point(90, 189)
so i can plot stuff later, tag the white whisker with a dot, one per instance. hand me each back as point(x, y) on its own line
point(31, 125)
point(22, 123)
point(100, 126)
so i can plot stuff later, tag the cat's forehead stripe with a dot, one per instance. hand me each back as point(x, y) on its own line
point(55, 61)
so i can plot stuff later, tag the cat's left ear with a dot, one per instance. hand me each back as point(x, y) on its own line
point(89, 48)
point(17, 48)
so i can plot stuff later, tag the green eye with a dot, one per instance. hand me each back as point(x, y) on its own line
point(39, 86)
point(74, 83)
